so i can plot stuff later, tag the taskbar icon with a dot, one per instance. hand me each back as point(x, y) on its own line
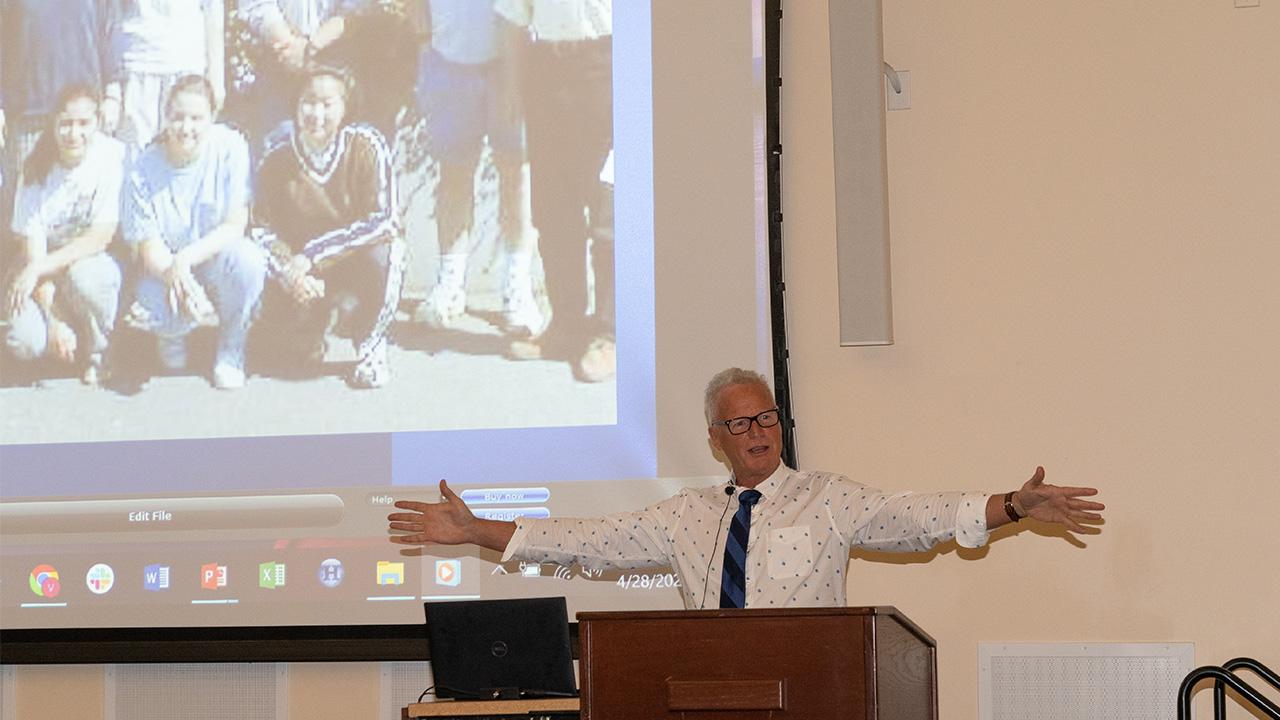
point(44, 581)
point(156, 577)
point(330, 573)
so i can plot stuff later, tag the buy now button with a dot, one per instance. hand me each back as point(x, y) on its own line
point(506, 496)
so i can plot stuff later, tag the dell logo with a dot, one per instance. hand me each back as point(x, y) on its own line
point(498, 648)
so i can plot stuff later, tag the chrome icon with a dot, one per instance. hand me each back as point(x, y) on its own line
point(44, 581)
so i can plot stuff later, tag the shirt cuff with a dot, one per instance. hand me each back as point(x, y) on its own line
point(971, 521)
point(516, 541)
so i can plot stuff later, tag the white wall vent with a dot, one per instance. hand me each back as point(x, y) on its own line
point(399, 685)
point(208, 691)
point(1081, 681)
point(8, 702)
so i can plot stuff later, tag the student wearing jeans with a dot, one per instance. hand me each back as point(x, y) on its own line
point(186, 211)
point(62, 298)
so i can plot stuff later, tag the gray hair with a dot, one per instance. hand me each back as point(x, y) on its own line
point(727, 378)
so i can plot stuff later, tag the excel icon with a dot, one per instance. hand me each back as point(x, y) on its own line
point(271, 575)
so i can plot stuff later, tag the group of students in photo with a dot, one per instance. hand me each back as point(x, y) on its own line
point(131, 205)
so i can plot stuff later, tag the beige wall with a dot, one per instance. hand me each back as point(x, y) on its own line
point(1085, 207)
point(1085, 218)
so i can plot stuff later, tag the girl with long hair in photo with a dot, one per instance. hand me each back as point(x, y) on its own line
point(62, 299)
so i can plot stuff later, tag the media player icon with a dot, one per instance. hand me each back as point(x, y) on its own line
point(449, 573)
point(330, 573)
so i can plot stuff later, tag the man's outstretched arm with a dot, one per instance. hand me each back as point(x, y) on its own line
point(1047, 503)
point(448, 522)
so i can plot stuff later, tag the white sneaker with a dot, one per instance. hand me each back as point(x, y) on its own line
point(521, 315)
point(95, 372)
point(228, 377)
point(372, 370)
point(447, 301)
point(444, 306)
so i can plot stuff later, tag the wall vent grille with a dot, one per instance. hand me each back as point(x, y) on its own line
point(8, 703)
point(400, 684)
point(197, 691)
point(1081, 681)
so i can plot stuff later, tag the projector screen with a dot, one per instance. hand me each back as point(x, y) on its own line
point(170, 503)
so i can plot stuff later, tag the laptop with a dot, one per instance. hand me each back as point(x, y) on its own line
point(501, 649)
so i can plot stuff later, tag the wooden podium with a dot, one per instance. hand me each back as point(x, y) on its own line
point(484, 709)
point(868, 663)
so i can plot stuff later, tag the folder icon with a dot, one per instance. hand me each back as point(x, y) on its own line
point(390, 573)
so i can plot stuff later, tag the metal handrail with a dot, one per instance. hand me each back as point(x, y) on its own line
point(1220, 690)
point(1225, 677)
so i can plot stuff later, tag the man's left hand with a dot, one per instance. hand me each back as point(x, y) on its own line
point(1058, 505)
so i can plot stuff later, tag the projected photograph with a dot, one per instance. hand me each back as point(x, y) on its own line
point(261, 218)
point(270, 266)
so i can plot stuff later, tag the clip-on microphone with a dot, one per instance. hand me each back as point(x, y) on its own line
point(728, 491)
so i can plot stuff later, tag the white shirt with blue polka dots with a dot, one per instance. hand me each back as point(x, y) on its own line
point(802, 529)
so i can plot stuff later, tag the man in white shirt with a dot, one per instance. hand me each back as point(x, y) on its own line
point(802, 524)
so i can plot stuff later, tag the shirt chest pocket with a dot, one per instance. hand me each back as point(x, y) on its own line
point(790, 552)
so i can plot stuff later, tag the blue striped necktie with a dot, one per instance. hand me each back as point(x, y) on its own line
point(733, 583)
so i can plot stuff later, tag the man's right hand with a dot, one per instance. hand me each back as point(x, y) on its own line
point(448, 522)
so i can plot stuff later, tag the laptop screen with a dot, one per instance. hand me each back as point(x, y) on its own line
point(494, 649)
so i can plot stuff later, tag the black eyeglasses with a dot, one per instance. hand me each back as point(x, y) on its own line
point(740, 425)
